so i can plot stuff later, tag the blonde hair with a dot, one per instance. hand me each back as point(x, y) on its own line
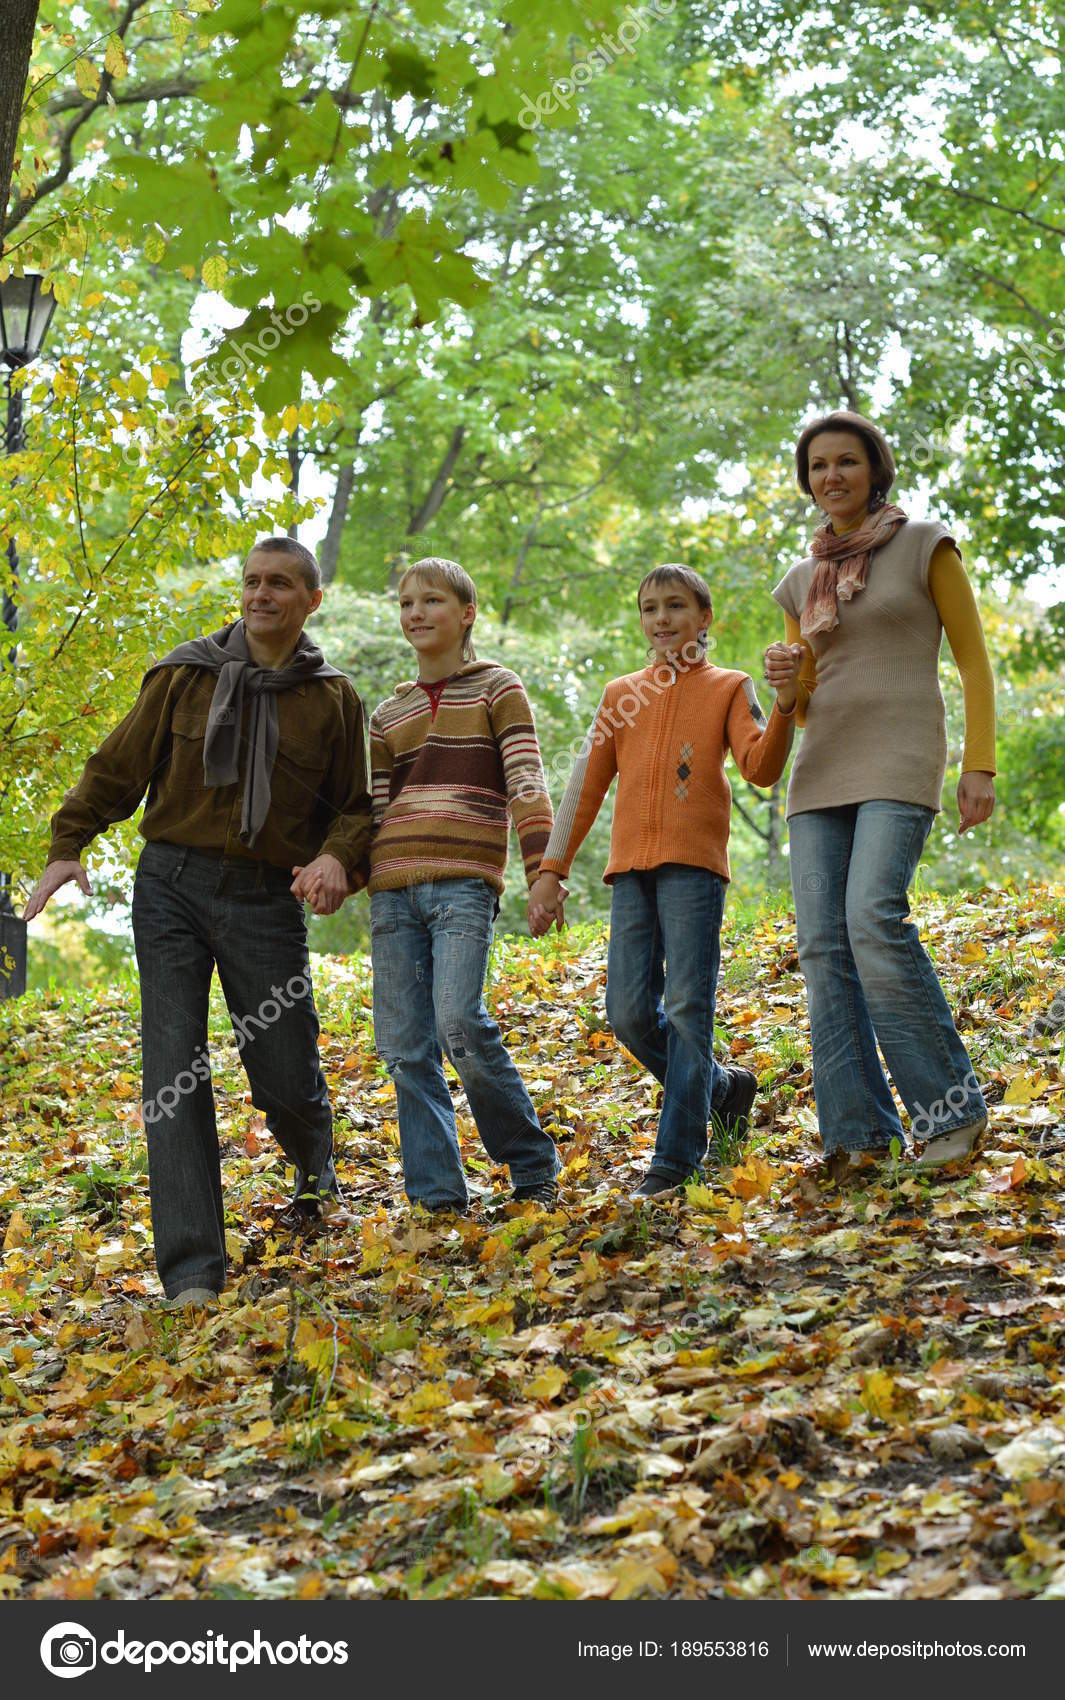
point(446, 575)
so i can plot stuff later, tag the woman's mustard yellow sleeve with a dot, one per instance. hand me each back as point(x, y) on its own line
point(806, 683)
point(950, 590)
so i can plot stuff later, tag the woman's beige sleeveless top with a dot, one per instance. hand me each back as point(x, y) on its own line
point(875, 726)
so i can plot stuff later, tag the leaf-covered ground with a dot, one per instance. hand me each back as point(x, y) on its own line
point(772, 1387)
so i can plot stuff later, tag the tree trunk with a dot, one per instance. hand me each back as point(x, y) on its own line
point(438, 488)
point(20, 18)
point(519, 564)
point(329, 553)
point(430, 507)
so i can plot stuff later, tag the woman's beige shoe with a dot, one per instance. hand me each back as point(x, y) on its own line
point(951, 1147)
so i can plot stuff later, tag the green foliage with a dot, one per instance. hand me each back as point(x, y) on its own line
point(314, 146)
point(557, 350)
point(113, 501)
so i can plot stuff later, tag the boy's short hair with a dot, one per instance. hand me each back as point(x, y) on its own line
point(672, 572)
point(307, 563)
point(446, 575)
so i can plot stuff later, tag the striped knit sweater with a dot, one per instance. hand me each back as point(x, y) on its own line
point(442, 785)
point(666, 737)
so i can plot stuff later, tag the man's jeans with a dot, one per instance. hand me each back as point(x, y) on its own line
point(430, 947)
point(190, 911)
point(868, 979)
point(661, 986)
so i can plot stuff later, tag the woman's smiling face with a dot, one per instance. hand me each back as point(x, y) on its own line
point(841, 476)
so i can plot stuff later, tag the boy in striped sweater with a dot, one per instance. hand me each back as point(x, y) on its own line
point(453, 756)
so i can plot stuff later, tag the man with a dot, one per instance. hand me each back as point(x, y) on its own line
point(250, 747)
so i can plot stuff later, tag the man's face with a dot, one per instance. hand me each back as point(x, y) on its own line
point(275, 599)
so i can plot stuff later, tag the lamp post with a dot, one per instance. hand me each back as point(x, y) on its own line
point(25, 315)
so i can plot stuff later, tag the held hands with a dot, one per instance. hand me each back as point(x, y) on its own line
point(547, 898)
point(323, 884)
point(55, 875)
point(783, 663)
point(976, 799)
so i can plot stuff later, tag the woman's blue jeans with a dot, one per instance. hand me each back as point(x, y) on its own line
point(429, 948)
point(661, 987)
point(868, 979)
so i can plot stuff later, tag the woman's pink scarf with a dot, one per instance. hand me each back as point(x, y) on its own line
point(842, 563)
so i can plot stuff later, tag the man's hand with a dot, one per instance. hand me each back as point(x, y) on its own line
point(783, 664)
point(976, 799)
point(55, 875)
point(323, 884)
point(547, 897)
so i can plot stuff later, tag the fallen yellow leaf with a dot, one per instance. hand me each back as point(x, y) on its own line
point(18, 1231)
point(548, 1384)
point(1023, 1089)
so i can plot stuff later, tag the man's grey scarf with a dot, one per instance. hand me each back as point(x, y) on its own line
point(226, 654)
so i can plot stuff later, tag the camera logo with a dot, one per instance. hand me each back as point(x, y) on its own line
point(68, 1650)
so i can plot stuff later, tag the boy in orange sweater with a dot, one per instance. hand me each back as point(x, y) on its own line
point(665, 732)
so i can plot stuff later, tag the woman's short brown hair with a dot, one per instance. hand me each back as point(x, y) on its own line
point(877, 447)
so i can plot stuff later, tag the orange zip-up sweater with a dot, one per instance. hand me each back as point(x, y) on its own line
point(666, 736)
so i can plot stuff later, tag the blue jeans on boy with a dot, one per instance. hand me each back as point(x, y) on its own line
point(191, 910)
point(429, 947)
point(869, 979)
point(661, 987)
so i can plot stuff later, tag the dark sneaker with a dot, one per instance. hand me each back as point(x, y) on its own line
point(310, 1204)
point(453, 1207)
point(844, 1165)
point(733, 1114)
point(544, 1192)
point(657, 1185)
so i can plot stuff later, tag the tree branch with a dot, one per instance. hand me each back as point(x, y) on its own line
point(434, 500)
point(742, 812)
point(997, 206)
point(1011, 289)
point(169, 88)
point(84, 112)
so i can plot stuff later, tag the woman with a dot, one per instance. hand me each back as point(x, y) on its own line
point(868, 608)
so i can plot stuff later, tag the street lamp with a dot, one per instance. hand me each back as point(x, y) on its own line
point(25, 315)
